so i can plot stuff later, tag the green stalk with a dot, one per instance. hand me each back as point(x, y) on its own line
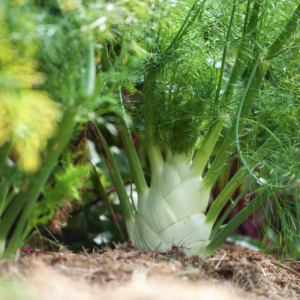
point(2, 247)
point(114, 172)
point(155, 158)
point(182, 29)
point(228, 145)
point(235, 223)
point(9, 198)
point(198, 13)
point(233, 184)
point(240, 59)
point(105, 59)
point(247, 16)
point(237, 134)
point(204, 152)
point(3, 195)
point(223, 197)
point(130, 151)
point(104, 195)
point(4, 202)
point(225, 54)
point(290, 27)
point(134, 162)
point(253, 90)
point(4, 153)
point(89, 89)
point(228, 210)
point(153, 150)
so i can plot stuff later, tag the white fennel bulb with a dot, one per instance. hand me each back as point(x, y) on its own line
point(172, 210)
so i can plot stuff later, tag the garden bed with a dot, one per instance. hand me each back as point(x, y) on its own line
point(126, 273)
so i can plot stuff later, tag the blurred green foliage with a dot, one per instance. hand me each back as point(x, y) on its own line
point(54, 77)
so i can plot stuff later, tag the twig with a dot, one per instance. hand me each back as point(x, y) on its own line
point(261, 268)
point(108, 203)
point(158, 246)
point(267, 248)
point(56, 240)
point(220, 260)
point(58, 244)
point(85, 252)
point(285, 267)
point(281, 265)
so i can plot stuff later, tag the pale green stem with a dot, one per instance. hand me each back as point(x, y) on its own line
point(233, 184)
point(228, 144)
point(114, 172)
point(225, 194)
point(252, 93)
point(9, 198)
point(105, 59)
point(290, 27)
point(181, 28)
point(3, 195)
point(104, 195)
point(155, 159)
point(247, 16)
point(235, 223)
point(153, 150)
point(205, 150)
point(133, 160)
point(4, 154)
point(240, 59)
point(131, 154)
point(228, 210)
point(241, 157)
point(181, 32)
point(2, 247)
point(91, 71)
point(225, 54)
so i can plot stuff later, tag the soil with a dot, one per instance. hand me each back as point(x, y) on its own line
point(128, 274)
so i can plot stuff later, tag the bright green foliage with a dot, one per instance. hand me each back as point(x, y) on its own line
point(53, 55)
point(179, 98)
point(68, 182)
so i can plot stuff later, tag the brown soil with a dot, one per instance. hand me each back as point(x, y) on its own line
point(128, 274)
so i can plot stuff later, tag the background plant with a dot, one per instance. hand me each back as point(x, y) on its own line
point(51, 79)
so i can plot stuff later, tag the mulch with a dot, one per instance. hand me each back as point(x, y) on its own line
point(127, 273)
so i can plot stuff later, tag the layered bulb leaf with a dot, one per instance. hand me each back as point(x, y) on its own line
point(172, 210)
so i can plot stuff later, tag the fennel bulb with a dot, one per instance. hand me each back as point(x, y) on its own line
point(172, 210)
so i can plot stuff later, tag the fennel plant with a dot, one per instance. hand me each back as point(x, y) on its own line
point(221, 81)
